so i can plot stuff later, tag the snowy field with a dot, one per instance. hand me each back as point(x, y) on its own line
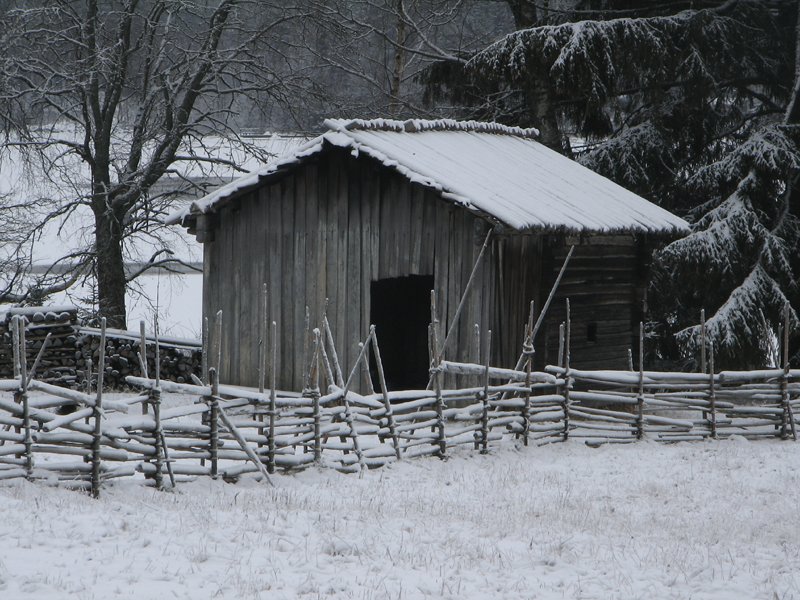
point(699, 520)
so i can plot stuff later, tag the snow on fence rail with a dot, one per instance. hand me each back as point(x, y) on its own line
point(229, 432)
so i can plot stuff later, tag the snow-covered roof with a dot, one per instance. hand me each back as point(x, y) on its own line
point(499, 171)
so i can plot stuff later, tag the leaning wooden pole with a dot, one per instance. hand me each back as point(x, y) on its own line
point(348, 413)
point(462, 301)
point(97, 413)
point(567, 382)
point(387, 404)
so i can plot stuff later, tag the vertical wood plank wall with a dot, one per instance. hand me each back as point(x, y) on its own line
point(326, 230)
point(330, 227)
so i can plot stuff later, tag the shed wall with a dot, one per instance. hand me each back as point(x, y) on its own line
point(326, 230)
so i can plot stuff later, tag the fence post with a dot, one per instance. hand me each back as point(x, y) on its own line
point(273, 357)
point(788, 423)
point(567, 383)
point(213, 421)
point(21, 396)
point(712, 393)
point(436, 375)
point(527, 350)
point(487, 345)
point(640, 396)
point(97, 413)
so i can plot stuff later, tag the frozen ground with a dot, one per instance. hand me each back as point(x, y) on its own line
point(701, 520)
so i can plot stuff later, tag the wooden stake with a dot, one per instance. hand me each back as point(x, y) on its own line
point(712, 394)
point(487, 345)
point(22, 397)
point(567, 378)
point(252, 456)
point(314, 382)
point(788, 413)
point(527, 350)
point(262, 355)
point(385, 392)
point(206, 350)
point(219, 342)
point(640, 396)
point(97, 413)
point(213, 421)
point(273, 357)
point(348, 414)
point(437, 383)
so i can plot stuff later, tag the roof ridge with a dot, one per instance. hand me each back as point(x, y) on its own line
point(417, 125)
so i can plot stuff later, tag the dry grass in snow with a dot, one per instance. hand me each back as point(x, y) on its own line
point(701, 520)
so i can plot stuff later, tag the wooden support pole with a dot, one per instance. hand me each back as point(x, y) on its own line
point(387, 404)
point(464, 295)
point(206, 349)
point(487, 347)
point(97, 413)
point(436, 375)
point(546, 306)
point(313, 379)
point(304, 364)
point(703, 351)
point(219, 342)
point(237, 435)
point(368, 387)
point(22, 397)
point(640, 394)
point(154, 399)
point(213, 422)
point(348, 413)
point(263, 332)
point(38, 360)
point(712, 394)
point(527, 350)
point(143, 358)
point(273, 369)
point(337, 369)
point(788, 413)
point(703, 340)
point(567, 378)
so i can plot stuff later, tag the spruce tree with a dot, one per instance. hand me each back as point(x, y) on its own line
point(689, 105)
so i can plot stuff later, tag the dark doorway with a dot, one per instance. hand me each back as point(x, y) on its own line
point(401, 313)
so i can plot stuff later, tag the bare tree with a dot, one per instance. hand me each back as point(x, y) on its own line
point(120, 93)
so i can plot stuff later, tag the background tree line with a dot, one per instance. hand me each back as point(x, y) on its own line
point(692, 104)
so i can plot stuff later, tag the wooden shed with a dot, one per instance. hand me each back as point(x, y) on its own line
point(372, 215)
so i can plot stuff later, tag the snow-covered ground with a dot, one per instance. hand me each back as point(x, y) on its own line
point(693, 520)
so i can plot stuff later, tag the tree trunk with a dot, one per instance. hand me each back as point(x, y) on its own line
point(110, 269)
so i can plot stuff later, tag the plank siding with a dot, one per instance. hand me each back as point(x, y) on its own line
point(335, 224)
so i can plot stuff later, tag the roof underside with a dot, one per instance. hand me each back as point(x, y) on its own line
point(498, 171)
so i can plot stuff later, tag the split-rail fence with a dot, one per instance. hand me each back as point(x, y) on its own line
point(226, 432)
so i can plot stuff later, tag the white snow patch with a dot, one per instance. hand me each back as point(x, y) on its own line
point(704, 520)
